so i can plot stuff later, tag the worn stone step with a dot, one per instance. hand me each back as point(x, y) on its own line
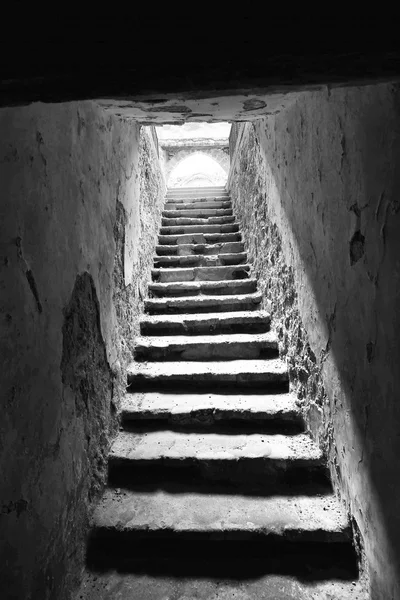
point(217, 273)
point(182, 229)
point(206, 324)
point(200, 191)
point(213, 347)
point(199, 249)
point(196, 213)
point(194, 288)
point(223, 458)
point(270, 373)
point(202, 304)
point(184, 203)
point(165, 222)
point(124, 514)
point(186, 207)
point(197, 190)
point(234, 258)
point(204, 410)
point(215, 570)
point(198, 194)
point(199, 238)
point(204, 197)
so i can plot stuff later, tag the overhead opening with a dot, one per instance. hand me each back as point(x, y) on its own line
point(195, 154)
point(197, 170)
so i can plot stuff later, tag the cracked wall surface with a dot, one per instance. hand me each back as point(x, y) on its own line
point(77, 230)
point(317, 191)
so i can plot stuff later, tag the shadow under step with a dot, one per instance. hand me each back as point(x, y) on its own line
point(209, 410)
point(209, 273)
point(203, 304)
point(208, 348)
point(183, 229)
point(198, 238)
point(166, 222)
point(212, 288)
point(190, 211)
point(270, 374)
point(270, 569)
point(213, 202)
point(198, 249)
point(255, 460)
point(208, 324)
point(201, 203)
point(213, 260)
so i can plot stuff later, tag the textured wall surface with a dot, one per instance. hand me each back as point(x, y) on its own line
point(146, 218)
point(75, 230)
point(317, 190)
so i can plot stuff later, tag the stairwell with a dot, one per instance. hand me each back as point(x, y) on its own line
point(215, 488)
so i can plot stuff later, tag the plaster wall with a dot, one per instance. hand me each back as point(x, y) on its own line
point(317, 190)
point(75, 227)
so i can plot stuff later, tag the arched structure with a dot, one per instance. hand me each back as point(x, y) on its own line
point(176, 151)
point(196, 169)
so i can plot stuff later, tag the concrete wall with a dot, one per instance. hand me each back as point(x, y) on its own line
point(76, 226)
point(317, 189)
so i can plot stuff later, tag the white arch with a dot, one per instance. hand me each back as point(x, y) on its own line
point(198, 166)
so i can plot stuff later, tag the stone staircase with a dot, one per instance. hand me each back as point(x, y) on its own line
point(213, 480)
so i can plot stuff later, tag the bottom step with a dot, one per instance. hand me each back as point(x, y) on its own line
point(315, 577)
point(221, 535)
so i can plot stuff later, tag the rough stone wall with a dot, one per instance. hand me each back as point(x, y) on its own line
point(128, 299)
point(74, 228)
point(317, 190)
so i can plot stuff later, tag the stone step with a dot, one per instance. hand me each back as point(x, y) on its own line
point(197, 249)
point(219, 274)
point(198, 194)
point(194, 288)
point(215, 570)
point(199, 239)
point(212, 347)
point(270, 374)
point(202, 304)
point(200, 221)
point(221, 458)
point(212, 200)
point(198, 213)
point(184, 207)
point(205, 410)
point(181, 196)
point(182, 229)
point(213, 260)
point(128, 516)
point(206, 324)
point(201, 193)
point(197, 190)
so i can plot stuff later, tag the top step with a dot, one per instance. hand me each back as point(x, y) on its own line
point(197, 194)
point(196, 190)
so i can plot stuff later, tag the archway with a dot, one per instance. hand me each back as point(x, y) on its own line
point(197, 169)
